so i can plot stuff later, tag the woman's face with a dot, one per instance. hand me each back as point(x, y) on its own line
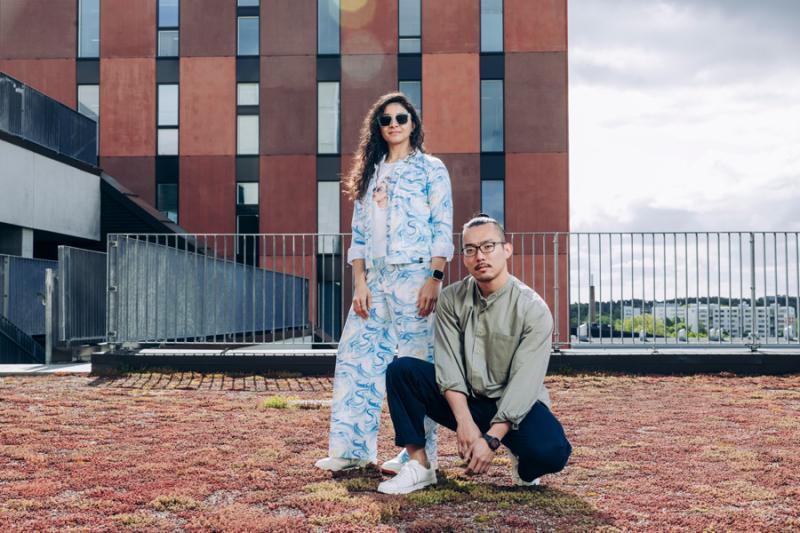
point(395, 133)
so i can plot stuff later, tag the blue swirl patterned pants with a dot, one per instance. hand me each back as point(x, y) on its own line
point(365, 351)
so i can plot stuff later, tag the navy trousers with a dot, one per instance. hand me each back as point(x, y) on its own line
point(539, 442)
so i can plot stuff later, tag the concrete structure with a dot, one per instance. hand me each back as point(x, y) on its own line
point(43, 194)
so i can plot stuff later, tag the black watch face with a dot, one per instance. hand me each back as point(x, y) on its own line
point(438, 274)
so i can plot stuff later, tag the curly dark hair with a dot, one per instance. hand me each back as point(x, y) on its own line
point(372, 147)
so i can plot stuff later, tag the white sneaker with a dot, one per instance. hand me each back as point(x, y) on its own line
point(413, 476)
point(393, 466)
point(515, 475)
point(337, 464)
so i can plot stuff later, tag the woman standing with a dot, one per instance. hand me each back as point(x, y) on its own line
point(402, 238)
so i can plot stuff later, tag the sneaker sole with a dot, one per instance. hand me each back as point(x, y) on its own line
point(346, 468)
point(407, 490)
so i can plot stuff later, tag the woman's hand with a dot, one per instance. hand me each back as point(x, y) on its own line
point(362, 299)
point(428, 295)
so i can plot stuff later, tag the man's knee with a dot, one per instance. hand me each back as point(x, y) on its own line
point(552, 458)
point(403, 369)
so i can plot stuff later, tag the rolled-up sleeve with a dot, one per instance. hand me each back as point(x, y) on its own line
point(528, 367)
point(447, 348)
point(440, 200)
point(358, 242)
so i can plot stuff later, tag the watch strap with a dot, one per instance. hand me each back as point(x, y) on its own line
point(493, 442)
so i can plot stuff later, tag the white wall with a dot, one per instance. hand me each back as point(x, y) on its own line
point(43, 194)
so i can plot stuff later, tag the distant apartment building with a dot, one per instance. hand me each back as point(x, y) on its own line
point(736, 320)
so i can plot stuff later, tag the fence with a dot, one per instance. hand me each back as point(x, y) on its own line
point(81, 295)
point(677, 289)
point(22, 282)
point(30, 115)
point(190, 289)
point(604, 289)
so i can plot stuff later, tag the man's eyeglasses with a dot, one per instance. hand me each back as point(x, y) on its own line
point(386, 120)
point(485, 247)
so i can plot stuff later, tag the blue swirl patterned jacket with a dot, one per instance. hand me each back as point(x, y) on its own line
point(420, 216)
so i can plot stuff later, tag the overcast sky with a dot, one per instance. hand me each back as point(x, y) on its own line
point(684, 115)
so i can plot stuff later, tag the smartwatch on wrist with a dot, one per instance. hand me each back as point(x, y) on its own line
point(438, 275)
point(493, 442)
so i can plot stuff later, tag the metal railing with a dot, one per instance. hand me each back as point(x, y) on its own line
point(30, 115)
point(687, 288)
point(190, 289)
point(22, 292)
point(81, 296)
point(653, 290)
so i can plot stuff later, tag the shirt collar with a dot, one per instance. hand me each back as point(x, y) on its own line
point(477, 298)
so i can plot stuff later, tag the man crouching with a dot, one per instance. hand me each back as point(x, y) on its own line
point(492, 347)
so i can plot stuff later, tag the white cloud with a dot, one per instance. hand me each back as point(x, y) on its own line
point(684, 113)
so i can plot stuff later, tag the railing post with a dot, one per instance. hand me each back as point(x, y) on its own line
point(49, 280)
point(753, 332)
point(556, 329)
point(111, 286)
point(5, 264)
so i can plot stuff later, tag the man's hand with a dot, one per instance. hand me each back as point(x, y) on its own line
point(480, 457)
point(467, 433)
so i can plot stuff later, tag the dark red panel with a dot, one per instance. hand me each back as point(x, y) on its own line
point(537, 192)
point(208, 106)
point(451, 99)
point(364, 79)
point(288, 194)
point(207, 200)
point(127, 107)
point(35, 29)
point(536, 102)
point(346, 204)
point(53, 77)
point(128, 29)
point(451, 26)
point(288, 105)
point(288, 27)
point(465, 180)
point(138, 174)
point(535, 25)
point(369, 28)
point(208, 28)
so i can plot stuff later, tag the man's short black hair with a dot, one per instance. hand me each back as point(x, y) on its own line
point(479, 220)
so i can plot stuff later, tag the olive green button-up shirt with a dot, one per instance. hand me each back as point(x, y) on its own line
point(496, 347)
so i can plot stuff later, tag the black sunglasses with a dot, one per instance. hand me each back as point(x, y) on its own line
point(386, 120)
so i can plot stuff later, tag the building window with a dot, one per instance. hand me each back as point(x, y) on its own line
point(327, 27)
point(328, 117)
point(247, 94)
point(247, 193)
point(410, 27)
point(247, 36)
point(328, 195)
point(168, 105)
point(412, 89)
point(89, 101)
point(89, 28)
point(168, 141)
point(491, 115)
point(492, 199)
point(168, 43)
point(247, 3)
point(491, 25)
point(167, 200)
point(168, 13)
point(247, 134)
point(168, 22)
